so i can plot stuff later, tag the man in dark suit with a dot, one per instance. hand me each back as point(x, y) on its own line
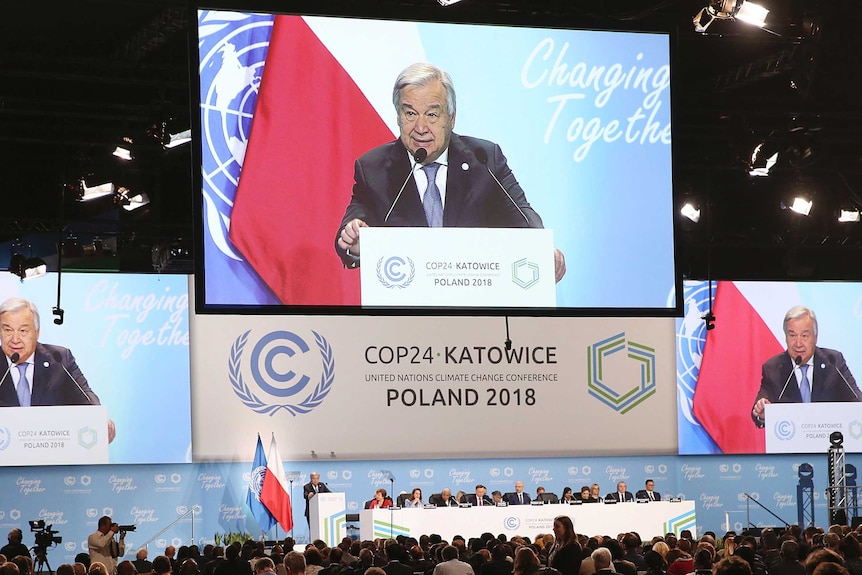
point(37, 373)
point(620, 495)
point(479, 498)
point(443, 499)
point(311, 489)
point(518, 497)
point(459, 193)
point(804, 373)
point(648, 493)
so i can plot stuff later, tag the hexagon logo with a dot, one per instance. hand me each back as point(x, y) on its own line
point(88, 437)
point(610, 373)
point(525, 274)
point(855, 429)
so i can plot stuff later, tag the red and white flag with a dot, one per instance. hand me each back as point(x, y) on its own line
point(274, 494)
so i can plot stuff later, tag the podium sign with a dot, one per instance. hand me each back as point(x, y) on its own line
point(457, 267)
point(56, 435)
point(326, 514)
point(805, 427)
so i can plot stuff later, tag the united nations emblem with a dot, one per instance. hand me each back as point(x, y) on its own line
point(273, 373)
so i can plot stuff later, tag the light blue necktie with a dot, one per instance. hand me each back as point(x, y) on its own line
point(432, 202)
point(23, 386)
point(805, 385)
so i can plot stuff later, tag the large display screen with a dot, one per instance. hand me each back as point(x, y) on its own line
point(578, 122)
point(722, 372)
point(123, 344)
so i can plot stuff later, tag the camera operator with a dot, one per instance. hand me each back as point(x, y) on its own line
point(103, 547)
point(15, 546)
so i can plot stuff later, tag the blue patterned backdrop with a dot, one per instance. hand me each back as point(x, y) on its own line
point(152, 496)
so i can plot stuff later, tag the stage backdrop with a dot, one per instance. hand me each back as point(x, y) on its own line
point(582, 116)
point(368, 387)
point(130, 336)
point(73, 498)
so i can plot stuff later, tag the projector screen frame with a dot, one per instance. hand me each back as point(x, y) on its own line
point(432, 13)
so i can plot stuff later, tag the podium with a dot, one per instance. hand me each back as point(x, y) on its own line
point(326, 518)
point(457, 267)
point(54, 435)
point(805, 427)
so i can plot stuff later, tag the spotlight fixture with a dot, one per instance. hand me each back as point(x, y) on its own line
point(88, 193)
point(849, 215)
point(448, 2)
point(761, 162)
point(27, 268)
point(836, 439)
point(748, 12)
point(801, 206)
point(178, 139)
point(130, 200)
point(124, 149)
point(691, 212)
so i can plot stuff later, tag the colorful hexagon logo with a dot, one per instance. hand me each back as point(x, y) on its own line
point(620, 394)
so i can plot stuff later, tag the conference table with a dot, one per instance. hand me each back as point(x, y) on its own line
point(648, 519)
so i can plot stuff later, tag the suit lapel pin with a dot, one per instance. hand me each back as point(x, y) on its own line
point(465, 166)
point(45, 364)
point(822, 366)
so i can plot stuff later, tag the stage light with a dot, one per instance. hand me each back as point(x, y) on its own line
point(753, 14)
point(691, 212)
point(849, 215)
point(178, 139)
point(132, 203)
point(448, 2)
point(27, 268)
point(88, 193)
point(729, 10)
point(836, 439)
point(761, 163)
point(123, 153)
point(801, 206)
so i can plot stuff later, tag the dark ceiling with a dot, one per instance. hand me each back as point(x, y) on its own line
point(77, 76)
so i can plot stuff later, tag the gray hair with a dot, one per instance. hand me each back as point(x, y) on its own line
point(14, 304)
point(601, 558)
point(421, 74)
point(796, 312)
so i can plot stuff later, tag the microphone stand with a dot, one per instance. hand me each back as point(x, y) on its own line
point(291, 477)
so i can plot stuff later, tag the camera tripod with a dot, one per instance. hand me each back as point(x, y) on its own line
point(41, 555)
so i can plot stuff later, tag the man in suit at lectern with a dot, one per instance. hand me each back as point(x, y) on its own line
point(804, 373)
point(37, 373)
point(431, 177)
point(311, 489)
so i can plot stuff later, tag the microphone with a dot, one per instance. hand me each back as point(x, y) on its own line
point(56, 355)
point(13, 359)
point(797, 361)
point(482, 156)
point(419, 155)
point(847, 383)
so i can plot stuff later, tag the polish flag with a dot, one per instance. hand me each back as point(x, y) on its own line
point(274, 494)
point(730, 371)
point(310, 124)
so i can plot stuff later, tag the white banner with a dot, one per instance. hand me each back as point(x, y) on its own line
point(407, 387)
